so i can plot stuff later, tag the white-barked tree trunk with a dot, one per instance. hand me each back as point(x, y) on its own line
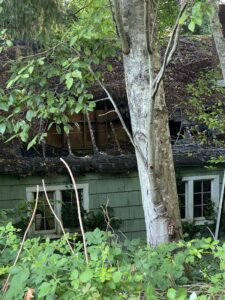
point(136, 26)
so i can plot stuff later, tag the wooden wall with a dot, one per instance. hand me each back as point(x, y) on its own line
point(122, 191)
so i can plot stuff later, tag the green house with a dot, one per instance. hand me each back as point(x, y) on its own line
point(109, 175)
point(105, 180)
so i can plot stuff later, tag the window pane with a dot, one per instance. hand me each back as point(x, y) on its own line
point(182, 212)
point(207, 210)
point(197, 186)
point(202, 197)
point(197, 199)
point(207, 198)
point(198, 211)
point(182, 199)
point(44, 218)
point(69, 208)
point(206, 185)
point(181, 187)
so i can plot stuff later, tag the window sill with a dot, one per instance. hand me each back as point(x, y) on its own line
point(199, 221)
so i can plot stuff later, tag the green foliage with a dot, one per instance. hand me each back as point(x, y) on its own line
point(197, 16)
point(53, 81)
point(191, 230)
point(167, 14)
point(115, 270)
point(97, 219)
point(19, 217)
point(30, 19)
point(208, 118)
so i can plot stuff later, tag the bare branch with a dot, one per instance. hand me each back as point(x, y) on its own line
point(107, 113)
point(78, 208)
point(154, 21)
point(170, 49)
point(120, 116)
point(116, 139)
point(69, 145)
point(102, 99)
point(5, 286)
point(95, 148)
point(120, 26)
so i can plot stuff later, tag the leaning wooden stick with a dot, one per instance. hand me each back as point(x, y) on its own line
point(5, 286)
point(55, 215)
point(78, 208)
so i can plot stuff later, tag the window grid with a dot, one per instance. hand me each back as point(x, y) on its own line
point(202, 197)
point(209, 195)
point(55, 194)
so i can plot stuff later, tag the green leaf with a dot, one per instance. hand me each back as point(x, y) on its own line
point(29, 115)
point(183, 18)
point(150, 293)
point(171, 294)
point(41, 61)
point(31, 69)
point(77, 74)
point(4, 106)
point(109, 67)
point(66, 129)
point(9, 43)
point(116, 277)
point(46, 288)
point(74, 275)
point(86, 276)
point(17, 284)
point(69, 82)
point(191, 26)
point(73, 41)
point(198, 20)
point(12, 81)
point(181, 294)
point(25, 75)
point(32, 142)
point(78, 108)
point(2, 128)
point(193, 296)
point(58, 129)
point(75, 284)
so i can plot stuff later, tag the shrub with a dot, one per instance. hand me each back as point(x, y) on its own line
point(128, 270)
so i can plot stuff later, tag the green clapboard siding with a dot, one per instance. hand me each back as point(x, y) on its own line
point(121, 191)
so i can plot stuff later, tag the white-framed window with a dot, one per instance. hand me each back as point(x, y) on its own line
point(198, 197)
point(63, 200)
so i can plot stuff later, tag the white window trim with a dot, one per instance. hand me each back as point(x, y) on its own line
point(189, 195)
point(57, 207)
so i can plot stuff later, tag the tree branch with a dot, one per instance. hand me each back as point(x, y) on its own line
point(136, 147)
point(154, 22)
point(170, 49)
point(120, 26)
point(56, 217)
point(78, 209)
point(95, 148)
point(116, 139)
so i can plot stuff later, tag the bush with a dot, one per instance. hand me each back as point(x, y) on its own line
point(128, 270)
